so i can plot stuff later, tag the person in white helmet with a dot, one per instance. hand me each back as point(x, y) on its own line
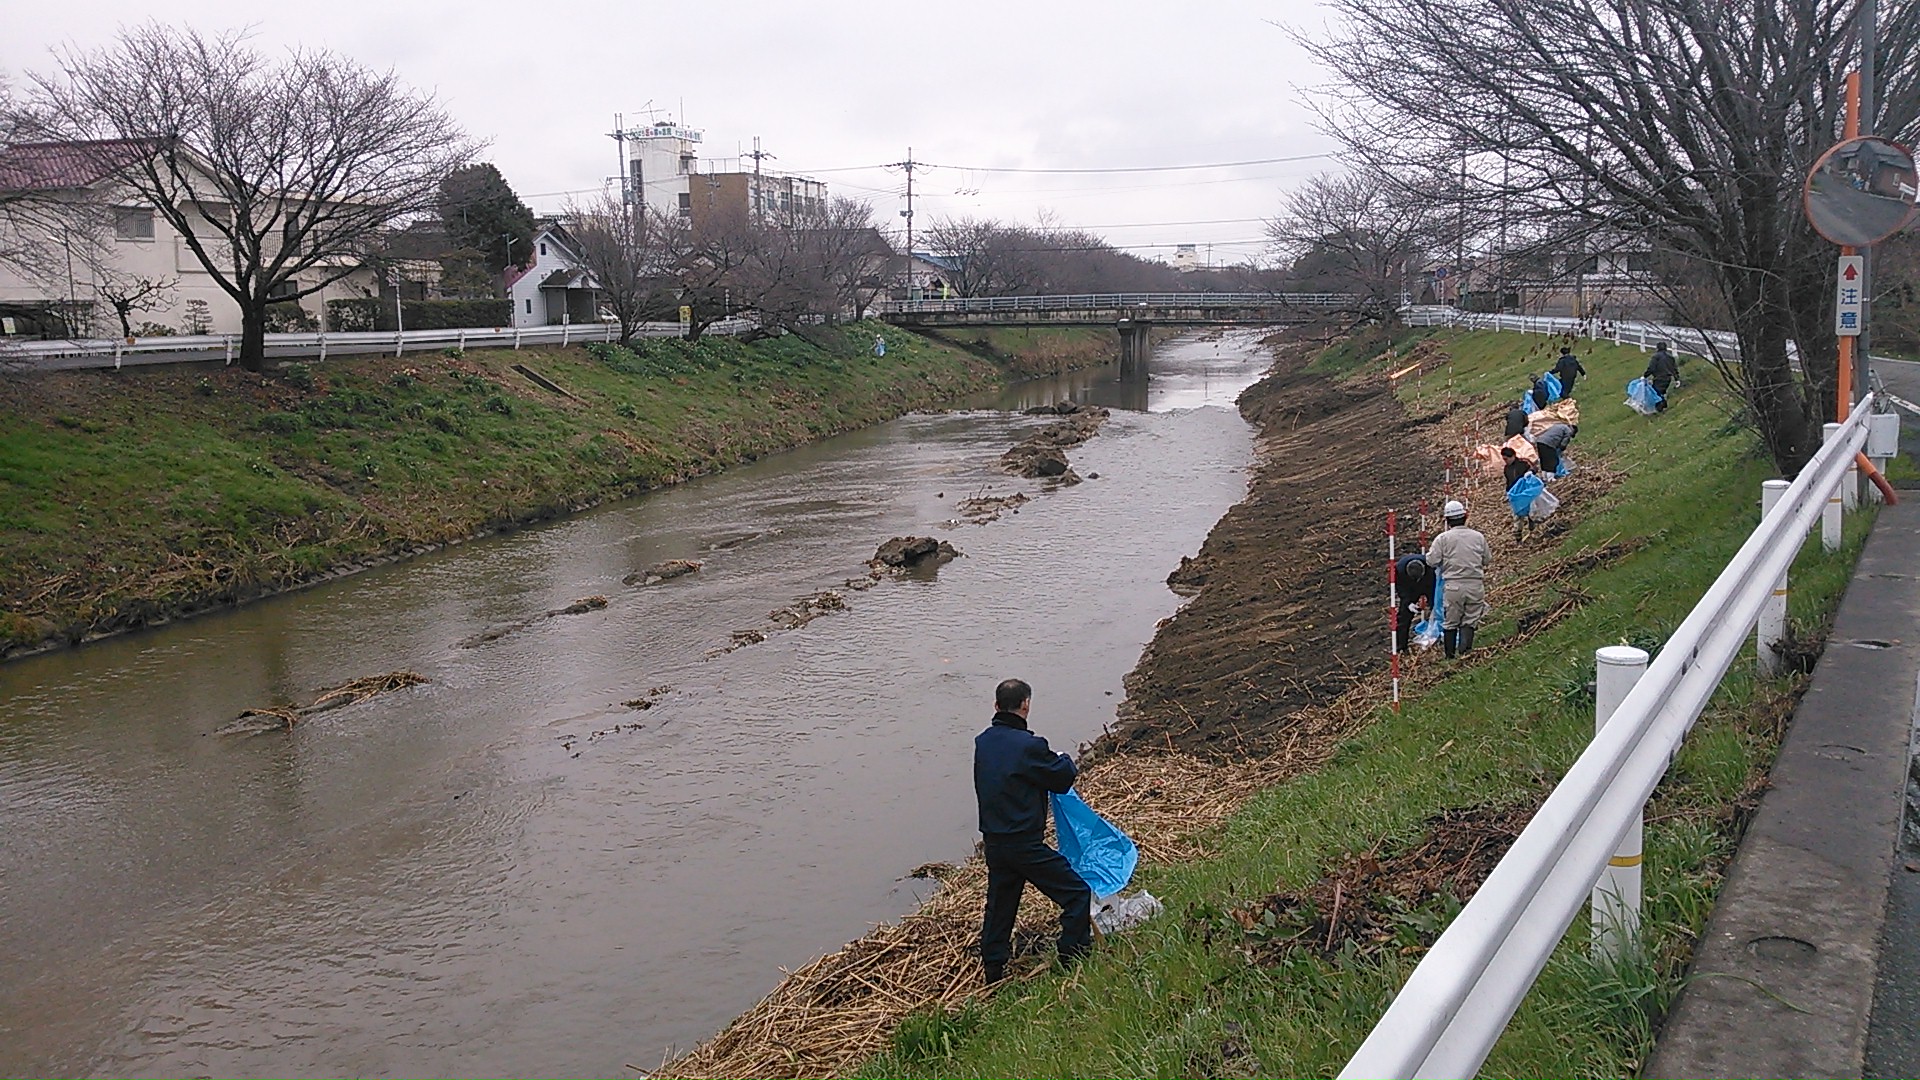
point(1460, 555)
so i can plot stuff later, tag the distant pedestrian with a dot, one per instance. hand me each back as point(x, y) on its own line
point(1413, 588)
point(1013, 770)
point(1460, 556)
point(1552, 444)
point(1567, 369)
point(1516, 422)
point(879, 345)
point(1662, 369)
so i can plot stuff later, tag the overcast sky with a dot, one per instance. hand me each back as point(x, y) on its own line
point(838, 88)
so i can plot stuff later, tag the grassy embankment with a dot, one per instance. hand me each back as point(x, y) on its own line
point(1028, 352)
point(1201, 992)
point(132, 497)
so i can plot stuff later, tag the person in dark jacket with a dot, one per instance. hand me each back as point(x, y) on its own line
point(1662, 369)
point(1516, 468)
point(1567, 369)
point(1541, 398)
point(1516, 422)
point(1013, 770)
point(1552, 445)
point(1413, 588)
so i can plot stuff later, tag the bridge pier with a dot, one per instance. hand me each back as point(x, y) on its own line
point(1136, 344)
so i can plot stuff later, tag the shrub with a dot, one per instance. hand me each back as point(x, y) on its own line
point(204, 387)
point(298, 374)
point(289, 318)
point(496, 403)
point(373, 313)
point(626, 410)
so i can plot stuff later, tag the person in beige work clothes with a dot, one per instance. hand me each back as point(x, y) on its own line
point(1460, 555)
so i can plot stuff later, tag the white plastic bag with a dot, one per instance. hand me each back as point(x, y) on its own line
point(1113, 914)
point(1544, 504)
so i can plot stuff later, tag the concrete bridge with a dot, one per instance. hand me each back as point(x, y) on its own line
point(1132, 314)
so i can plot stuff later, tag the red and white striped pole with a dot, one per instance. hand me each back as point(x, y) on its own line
point(1393, 614)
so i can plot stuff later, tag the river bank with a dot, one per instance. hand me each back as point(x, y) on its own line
point(1309, 843)
point(136, 498)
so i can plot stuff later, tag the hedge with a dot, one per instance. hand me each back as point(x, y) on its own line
point(373, 313)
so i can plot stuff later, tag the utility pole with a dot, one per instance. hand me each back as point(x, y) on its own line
point(619, 137)
point(908, 165)
point(759, 193)
point(1867, 13)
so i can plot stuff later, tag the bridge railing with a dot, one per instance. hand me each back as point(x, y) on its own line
point(1461, 996)
point(1113, 301)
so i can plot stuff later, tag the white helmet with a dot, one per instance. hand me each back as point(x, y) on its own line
point(1453, 509)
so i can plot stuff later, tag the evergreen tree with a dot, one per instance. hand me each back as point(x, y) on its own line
point(483, 215)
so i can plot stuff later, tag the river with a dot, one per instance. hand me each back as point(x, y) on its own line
point(463, 877)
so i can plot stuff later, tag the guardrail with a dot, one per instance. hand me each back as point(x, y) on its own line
point(1681, 339)
point(1460, 997)
point(1108, 301)
point(112, 352)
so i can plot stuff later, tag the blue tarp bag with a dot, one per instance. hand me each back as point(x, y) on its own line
point(1426, 632)
point(1563, 468)
point(1552, 383)
point(1521, 495)
point(1643, 398)
point(1101, 854)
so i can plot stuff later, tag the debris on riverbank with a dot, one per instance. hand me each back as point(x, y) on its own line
point(283, 717)
point(665, 571)
point(495, 633)
point(791, 617)
point(981, 509)
point(1374, 902)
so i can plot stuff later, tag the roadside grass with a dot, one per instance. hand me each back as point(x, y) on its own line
point(1363, 347)
point(1195, 993)
point(133, 496)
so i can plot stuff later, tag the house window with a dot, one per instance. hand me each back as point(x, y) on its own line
point(290, 238)
point(543, 248)
point(529, 305)
point(686, 201)
point(283, 290)
point(132, 223)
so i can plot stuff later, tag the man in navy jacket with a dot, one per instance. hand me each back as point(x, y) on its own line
point(1013, 770)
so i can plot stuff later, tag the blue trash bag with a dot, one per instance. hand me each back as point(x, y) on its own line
point(1426, 632)
point(1552, 383)
point(1643, 398)
point(1527, 403)
point(1563, 468)
point(1101, 854)
point(1521, 495)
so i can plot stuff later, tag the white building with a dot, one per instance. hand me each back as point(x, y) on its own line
point(1186, 257)
point(554, 288)
point(661, 157)
point(97, 239)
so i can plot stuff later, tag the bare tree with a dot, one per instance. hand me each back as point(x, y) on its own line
point(1689, 125)
point(1363, 234)
point(628, 254)
point(708, 264)
point(846, 248)
point(278, 177)
point(127, 294)
point(989, 258)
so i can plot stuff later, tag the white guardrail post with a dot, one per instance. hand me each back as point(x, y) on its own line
point(1836, 500)
point(1461, 995)
point(1773, 616)
point(1616, 896)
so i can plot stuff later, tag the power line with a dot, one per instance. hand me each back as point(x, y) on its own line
point(1087, 171)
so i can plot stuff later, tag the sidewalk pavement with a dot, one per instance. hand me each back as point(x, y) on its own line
point(1793, 961)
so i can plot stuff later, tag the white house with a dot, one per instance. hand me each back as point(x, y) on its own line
point(555, 288)
point(95, 239)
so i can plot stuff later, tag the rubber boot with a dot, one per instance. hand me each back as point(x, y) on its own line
point(1466, 640)
point(1449, 640)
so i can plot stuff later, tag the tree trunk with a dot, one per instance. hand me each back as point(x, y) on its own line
point(253, 336)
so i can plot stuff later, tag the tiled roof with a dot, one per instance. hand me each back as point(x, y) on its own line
point(54, 166)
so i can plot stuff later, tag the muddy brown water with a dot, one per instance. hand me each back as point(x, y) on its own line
point(462, 878)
